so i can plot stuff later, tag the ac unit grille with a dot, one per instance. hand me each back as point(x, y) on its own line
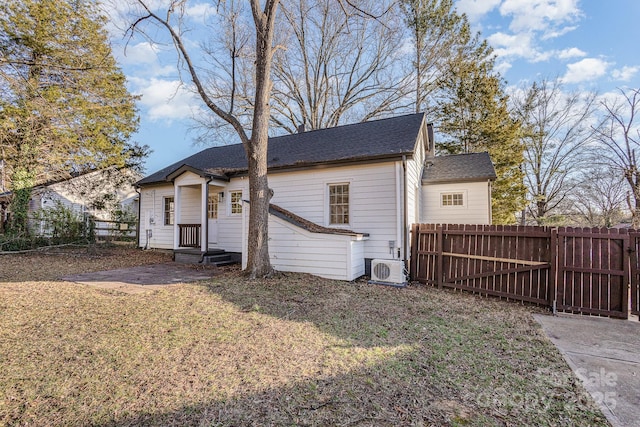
point(382, 271)
point(388, 272)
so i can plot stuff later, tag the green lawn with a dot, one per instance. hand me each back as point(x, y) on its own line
point(291, 350)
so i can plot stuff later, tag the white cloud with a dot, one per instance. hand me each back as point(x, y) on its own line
point(552, 34)
point(573, 52)
point(166, 99)
point(502, 67)
point(200, 12)
point(587, 69)
point(138, 54)
point(512, 44)
point(625, 73)
point(476, 8)
point(517, 45)
point(539, 15)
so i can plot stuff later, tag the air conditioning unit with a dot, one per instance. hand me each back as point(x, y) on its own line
point(388, 272)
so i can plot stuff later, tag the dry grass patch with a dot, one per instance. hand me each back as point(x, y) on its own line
point(292, 350)
point(54, 263)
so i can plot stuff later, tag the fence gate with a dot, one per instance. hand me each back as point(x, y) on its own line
point(593, 271)
point(506, 261)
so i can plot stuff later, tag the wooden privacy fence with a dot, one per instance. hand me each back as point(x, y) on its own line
point(580, 270)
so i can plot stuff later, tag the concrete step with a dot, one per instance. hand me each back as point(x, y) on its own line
point(217, 257)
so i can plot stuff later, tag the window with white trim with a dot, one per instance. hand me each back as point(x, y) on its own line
point(212, 206)
point(339, 204)
point(452, 199)
point(235, 197)
point(169, 211)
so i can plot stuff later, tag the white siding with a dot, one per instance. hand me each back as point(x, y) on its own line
point(475, 211)
point(230, 225)
point(372, 200)
point(415, 167)
point(190, 205)
point(152, 218)
point(372, 205)
point(333, 256)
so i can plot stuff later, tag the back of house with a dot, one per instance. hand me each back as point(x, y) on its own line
point(341, 197)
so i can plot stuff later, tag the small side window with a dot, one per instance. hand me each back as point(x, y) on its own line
point(338, 204)
point(452, 199)
point(212, 206)
point(236, 202)
point(169, 211)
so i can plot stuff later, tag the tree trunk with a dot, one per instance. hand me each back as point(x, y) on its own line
point(258, 262)
point(635, 215)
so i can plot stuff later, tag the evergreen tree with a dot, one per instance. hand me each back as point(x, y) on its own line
point(65, 108)
point(472, 116)
point(437, 31)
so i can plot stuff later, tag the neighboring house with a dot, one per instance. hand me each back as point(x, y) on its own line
point(341, 196)
point(95, 193)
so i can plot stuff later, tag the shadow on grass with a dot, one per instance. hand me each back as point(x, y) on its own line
point(362, 397)
point(292, 350)
point(423, 357)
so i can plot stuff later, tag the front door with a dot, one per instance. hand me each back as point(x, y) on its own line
point(212, 209)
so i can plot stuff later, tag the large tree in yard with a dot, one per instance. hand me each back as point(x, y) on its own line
point(619, 137)
point(64, 107)
point(231, 96)
point(263, 18)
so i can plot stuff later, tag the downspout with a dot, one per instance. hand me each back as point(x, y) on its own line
point(206, 223)
point(139, 213)
point(404, 209)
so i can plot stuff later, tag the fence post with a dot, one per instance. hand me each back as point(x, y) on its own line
point(413, 262)
point(626, 262)
point(554, 294)
point(439, 260)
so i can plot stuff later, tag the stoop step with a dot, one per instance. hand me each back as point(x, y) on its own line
point(217, 257)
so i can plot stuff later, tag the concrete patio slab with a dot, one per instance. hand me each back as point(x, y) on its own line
point(605, 354)
point(144, 278)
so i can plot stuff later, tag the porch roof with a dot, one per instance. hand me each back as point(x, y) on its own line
point(368, 141)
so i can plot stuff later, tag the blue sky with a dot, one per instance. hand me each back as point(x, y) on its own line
point(590, 44)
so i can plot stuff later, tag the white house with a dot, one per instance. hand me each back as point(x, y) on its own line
point(341, 197)
point(95, 193)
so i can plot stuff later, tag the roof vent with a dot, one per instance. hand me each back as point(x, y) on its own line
point(301, 128)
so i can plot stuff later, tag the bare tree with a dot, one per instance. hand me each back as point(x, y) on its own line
point(620, 138)
point(556, 130)
point(255, 143)
point(238, 96)
point(598, 199)
point(333, 65)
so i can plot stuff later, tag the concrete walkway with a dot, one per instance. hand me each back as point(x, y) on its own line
point(605, 354)
point(145, 278)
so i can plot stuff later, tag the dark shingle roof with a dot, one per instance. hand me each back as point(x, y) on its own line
point(458, 167)
point(385, 138)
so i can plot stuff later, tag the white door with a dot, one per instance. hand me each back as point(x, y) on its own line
point(212, 209)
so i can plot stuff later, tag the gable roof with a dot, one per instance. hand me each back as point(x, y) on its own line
point(379, 139)
point(459, 168)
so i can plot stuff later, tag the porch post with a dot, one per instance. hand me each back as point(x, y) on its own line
point(176, 216)
point(204, 228)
